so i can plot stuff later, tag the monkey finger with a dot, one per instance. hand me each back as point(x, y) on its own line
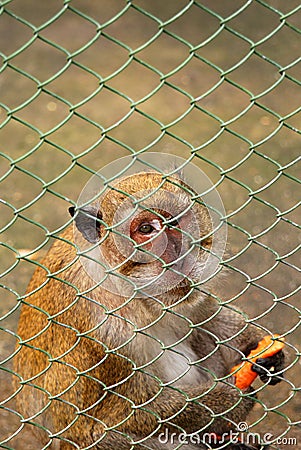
point(270, 369)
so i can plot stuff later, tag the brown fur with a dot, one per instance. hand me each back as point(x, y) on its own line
point(85, 354)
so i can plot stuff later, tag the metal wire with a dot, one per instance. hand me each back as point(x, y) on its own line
point(264, 180)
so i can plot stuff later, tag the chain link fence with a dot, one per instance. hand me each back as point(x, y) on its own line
point(85, 83)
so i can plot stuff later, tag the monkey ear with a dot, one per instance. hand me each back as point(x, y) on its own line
point(87, 221)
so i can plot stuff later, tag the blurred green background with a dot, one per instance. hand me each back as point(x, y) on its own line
point(84, 83)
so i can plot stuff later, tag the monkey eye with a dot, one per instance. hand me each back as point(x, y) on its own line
point(146, 228)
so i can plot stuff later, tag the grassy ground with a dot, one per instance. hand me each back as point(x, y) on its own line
point(229, 86)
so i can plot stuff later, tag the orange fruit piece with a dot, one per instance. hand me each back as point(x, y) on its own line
point(268, 346)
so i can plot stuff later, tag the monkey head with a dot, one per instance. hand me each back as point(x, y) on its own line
point(149, 234)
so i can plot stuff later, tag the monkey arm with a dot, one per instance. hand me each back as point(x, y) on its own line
point(200, 409)
point(207, 408)
point(237, 339)
point(231, 330)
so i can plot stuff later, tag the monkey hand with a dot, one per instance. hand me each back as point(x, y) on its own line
point(265, 360)
point(267, 367)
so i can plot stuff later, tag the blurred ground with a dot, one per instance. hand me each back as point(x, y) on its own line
point(228, 81)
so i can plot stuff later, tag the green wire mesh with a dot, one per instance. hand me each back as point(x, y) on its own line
point(218, 83)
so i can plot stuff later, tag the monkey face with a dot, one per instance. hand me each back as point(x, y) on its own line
point(152, 236)
point(150, 245)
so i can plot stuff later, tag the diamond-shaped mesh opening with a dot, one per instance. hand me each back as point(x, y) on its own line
point(119, 29)
point(290, 37)
point(195, 25)
point(251, 68)
point(41, 60)
point(224, 157)
point(26, 85)
point(40, 14)
point(265, 124)
point(77, 87)
point(125, 132)
point(95, 109)
point(42, 109)
point(122, 82)
point(166, 96)
point(209, 52)
point(111, 58)
point(194, 126)
point(284, 90)
point(196, 78)
point(276, 146)
point(172, 51)
point(215, 102)
point(19, 34)
point(77, 135)
point(266, 18)
point(78, 31)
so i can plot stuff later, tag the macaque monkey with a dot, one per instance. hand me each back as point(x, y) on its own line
point(121, 350)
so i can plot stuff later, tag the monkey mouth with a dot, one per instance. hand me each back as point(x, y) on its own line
point(158, 278)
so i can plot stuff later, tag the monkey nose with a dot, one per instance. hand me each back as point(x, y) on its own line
point(151, 250)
